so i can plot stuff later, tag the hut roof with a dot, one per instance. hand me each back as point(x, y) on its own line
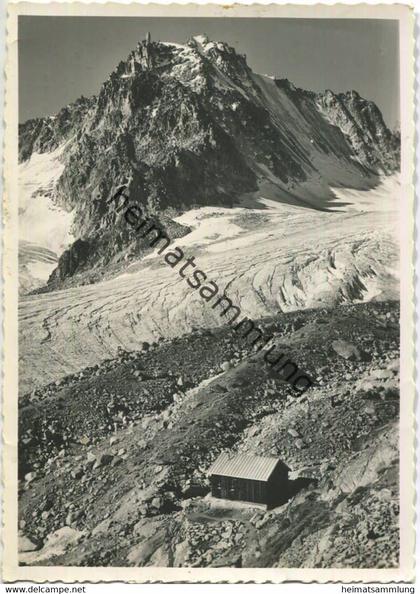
point(256, 468)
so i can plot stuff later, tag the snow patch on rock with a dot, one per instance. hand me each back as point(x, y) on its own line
point(41, 221)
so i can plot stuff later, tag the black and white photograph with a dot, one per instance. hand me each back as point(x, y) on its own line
point(209, 230)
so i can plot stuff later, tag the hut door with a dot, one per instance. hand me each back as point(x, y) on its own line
point(224, 487)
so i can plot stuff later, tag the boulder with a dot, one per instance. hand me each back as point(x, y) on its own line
point(26, 545)
point(157, 502)
point(143, 510)
point(370, 409)
point(103, 460)
point(73, 516)
point(90, 457)
point(346, 350)
point(394, 365)
point(300, 444)
point(218, 388)
point(141, 553)
point(77, 472)
point(56, 544)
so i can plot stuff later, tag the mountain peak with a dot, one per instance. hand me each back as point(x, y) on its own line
point(201, 39)
point(193, 125)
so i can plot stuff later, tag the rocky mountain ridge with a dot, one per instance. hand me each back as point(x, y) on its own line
point(192, 125)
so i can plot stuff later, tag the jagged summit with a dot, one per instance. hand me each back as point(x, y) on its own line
point(192, 125)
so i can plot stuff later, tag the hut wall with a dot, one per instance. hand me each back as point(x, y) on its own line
point(277, 487)
point(238, 489)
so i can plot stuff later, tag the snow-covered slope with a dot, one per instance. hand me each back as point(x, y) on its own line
point(40, 219)
point(44, 227)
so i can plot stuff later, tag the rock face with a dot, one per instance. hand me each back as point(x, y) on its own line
point(362, 123)
point(187, 126)
point(72, 259)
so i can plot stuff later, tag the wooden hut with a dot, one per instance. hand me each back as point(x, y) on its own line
point(256, 479)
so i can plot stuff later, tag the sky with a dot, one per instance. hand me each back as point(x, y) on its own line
point(62, 58)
